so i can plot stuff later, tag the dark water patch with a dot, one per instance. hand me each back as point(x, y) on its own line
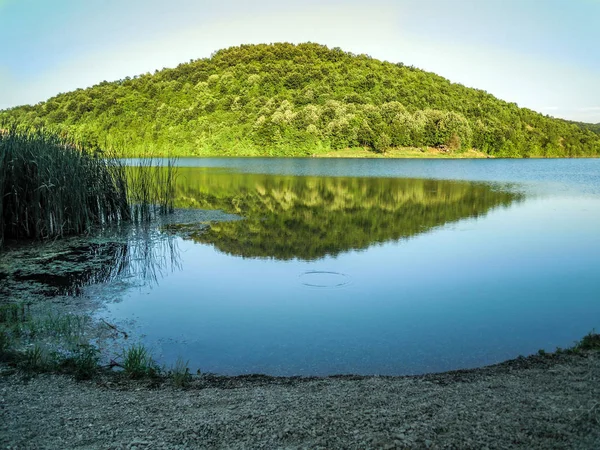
point(68, 270)
point(66, 267)
point(53, 284)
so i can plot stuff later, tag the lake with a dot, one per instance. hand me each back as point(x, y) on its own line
point(348, 266)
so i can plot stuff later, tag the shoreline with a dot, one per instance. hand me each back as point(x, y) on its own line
point(404, 153)
point(201, 380)
point(354, 153)
point(548, 401)
point(361, 155)
point(540, 401)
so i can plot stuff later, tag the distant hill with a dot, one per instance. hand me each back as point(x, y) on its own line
point(285, 99)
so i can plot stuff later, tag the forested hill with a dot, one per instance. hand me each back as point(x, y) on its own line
point(595, 127)
point(285, 99)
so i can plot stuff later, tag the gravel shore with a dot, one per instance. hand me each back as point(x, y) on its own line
point(545, 402)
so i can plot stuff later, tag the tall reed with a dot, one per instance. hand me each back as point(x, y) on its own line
point(50, 187)
point(151, 188)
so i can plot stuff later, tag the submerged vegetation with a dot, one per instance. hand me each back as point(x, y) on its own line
point(50, 187)
point(46, 341)
point(64, 345)
point(297, 100)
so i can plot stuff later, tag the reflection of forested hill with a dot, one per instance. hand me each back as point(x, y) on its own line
point(311, 217)
point(295, 100)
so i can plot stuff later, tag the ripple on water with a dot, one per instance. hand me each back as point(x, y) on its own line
point(324, 279)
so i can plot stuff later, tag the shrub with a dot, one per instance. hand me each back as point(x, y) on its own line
point(138, 363)
point(85, 361)
point(589, 342)
point(181, 373)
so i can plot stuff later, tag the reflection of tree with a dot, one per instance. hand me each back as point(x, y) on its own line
point(311, 217)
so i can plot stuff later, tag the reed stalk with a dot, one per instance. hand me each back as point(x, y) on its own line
point(51, 187)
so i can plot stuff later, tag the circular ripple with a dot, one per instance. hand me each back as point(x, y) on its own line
point(324, 279)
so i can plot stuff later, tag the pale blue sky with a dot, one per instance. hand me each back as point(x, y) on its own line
point(542, 54)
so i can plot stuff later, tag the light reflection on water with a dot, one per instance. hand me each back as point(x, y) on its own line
point(376, 275)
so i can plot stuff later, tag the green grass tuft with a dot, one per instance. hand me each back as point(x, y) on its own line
point(138, 363)
point(84, 362)
point(181, 373)
point(35, 359)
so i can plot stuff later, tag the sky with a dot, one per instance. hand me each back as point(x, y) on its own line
point(541, 54)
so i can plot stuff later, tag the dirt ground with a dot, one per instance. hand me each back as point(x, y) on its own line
point(545, 402)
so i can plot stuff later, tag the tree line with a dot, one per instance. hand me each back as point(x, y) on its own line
point(285, 99)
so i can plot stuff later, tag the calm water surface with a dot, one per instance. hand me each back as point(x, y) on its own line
point(371, 266)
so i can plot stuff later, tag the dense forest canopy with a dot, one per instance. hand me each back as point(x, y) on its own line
point(595, 127)
point(285, 99)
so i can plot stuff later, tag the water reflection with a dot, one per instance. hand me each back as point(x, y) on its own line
point(139, 254)
point(434, 286)
point(285, 217)
point(151, 255)
point(309, 218)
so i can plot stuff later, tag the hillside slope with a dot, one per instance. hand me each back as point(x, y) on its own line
point(595, 127)
point(285, 99)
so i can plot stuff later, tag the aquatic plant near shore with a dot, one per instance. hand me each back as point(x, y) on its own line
point(46, 341)
point(181, 373)
point(151, 188)
point(37, 342)
point(50, 187)
point(590, 341)
point(138, 363)
point(35, 359)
